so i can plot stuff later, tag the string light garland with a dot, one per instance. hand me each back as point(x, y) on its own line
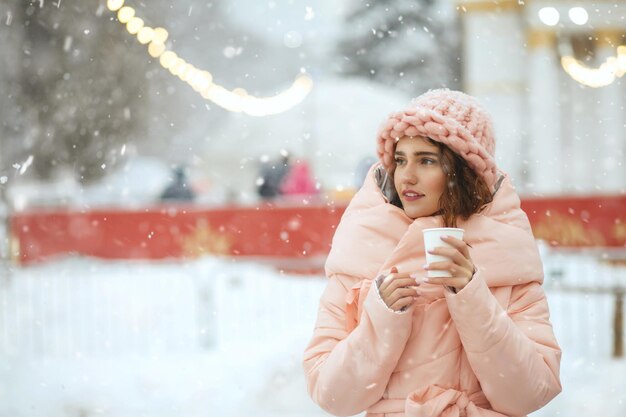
point(612, 68)
point(200, 80)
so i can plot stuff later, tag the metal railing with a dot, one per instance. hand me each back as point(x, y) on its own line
point(91, 308)
point(586, 298)
point(94, 308)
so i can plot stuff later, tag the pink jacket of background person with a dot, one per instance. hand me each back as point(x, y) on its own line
point(298, 180)
point(488, 351)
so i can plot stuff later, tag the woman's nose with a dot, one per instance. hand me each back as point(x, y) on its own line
point(408, 177)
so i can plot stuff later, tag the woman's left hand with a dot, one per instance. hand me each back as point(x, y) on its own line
point(459, 265)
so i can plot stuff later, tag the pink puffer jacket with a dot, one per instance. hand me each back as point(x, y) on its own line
point(487, 351)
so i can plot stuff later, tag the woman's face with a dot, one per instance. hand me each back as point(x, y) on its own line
point(419, 178)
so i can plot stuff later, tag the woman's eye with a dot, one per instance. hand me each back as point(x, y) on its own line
point(399, 161)
point(428, 161)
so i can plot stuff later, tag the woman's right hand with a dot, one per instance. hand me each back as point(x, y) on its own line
point(398, 290)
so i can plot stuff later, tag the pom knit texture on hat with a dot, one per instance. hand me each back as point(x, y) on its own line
point(450, 117)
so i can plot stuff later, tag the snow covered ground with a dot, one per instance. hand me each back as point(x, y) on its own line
point(215, 337)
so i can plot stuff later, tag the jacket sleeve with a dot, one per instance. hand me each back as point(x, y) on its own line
point(348, 372)
point(513, 353)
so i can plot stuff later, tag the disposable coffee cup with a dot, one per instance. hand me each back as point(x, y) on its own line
point(432, 239)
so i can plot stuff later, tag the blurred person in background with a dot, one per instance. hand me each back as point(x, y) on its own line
point(179, 189)
point(271, 176)
point(391, 341)
point(299, 181)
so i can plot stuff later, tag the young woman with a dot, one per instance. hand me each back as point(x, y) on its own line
point(393, 343)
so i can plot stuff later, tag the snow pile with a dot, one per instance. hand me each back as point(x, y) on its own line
point(85, 337)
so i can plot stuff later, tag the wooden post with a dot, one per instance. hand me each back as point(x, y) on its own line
point(618, 324)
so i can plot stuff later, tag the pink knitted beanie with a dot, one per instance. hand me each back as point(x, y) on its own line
point(450, 117)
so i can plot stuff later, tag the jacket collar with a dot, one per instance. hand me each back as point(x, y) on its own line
point(374, 235)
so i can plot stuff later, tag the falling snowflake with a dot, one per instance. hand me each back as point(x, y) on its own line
point(231, 51)
point(25, 165)
point(67, 43)
point(309, 13)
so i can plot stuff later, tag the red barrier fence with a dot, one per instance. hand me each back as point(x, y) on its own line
point(298, 238)
point(573, 222)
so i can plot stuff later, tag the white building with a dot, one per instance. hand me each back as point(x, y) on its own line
point(556, 134)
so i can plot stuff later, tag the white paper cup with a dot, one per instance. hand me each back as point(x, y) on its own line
point(432, 239)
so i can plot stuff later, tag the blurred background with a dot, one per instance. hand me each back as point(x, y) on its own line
point(171, 174)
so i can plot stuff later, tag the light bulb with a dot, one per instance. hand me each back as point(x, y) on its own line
point(156, 49)
point(125, 14)
point(549, 16)
point(160, 35)
point(145, 35)
point(113, 5)
point(167, 59)
point(578, 15)
point(134, 25)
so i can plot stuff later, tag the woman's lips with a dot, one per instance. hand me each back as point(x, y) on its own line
point(411, 196)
